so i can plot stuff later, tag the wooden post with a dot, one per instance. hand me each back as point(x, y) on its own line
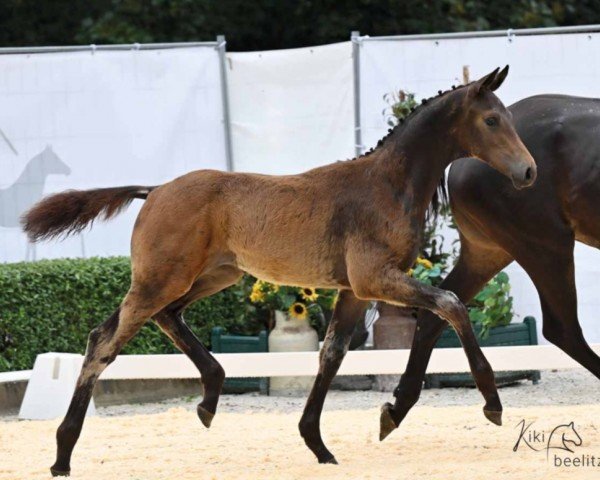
point(466, 74)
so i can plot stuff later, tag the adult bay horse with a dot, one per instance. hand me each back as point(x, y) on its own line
point(536, 228)
point(354, 226)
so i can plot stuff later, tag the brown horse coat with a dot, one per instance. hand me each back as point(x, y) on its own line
point(353, 225)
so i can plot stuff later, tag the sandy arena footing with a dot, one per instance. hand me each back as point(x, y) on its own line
point(257, 438)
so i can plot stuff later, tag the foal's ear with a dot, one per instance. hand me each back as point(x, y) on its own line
point(498, 79)
point(490, 82)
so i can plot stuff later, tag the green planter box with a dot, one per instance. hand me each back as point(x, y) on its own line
point(223, 343)
point(524, 333)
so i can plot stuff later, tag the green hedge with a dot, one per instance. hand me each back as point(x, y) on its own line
point(52, 305)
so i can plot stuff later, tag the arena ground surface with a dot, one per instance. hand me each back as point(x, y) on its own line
point(256, 437)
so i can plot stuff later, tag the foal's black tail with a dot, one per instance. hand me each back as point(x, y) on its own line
point(71, 211)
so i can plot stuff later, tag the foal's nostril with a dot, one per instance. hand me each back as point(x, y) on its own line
point(528, 174)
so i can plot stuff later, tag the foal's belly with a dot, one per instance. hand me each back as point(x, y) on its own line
point(294, 271)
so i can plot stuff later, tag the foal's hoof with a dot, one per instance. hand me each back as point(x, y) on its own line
point(205, 416)
point(386, 422)
point(59, 473)
point(493, 416)
point(331, 460)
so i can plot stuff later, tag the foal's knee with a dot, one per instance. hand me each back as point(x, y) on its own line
point(335, 349)
point(451, 309)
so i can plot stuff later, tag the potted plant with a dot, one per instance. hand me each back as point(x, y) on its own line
point(293, 309)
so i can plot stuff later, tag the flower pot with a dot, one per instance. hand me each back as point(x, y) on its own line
point(394, 329)
point(292, 335)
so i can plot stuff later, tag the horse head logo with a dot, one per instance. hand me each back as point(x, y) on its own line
point(29, 186)
point(50, 162)
point(563, 437)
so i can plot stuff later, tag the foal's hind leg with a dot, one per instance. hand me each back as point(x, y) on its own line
point(104, 344)
point(348, 311)
point(170, 320)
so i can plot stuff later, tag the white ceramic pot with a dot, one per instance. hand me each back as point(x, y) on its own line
point(291, 335)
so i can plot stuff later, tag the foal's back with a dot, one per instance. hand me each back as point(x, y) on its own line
point(253, 221)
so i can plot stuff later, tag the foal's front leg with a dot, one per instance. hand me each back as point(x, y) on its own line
point(348, 311)
point(392, 285)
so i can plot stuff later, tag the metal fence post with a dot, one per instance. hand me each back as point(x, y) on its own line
point(355, 39)
point(221, 47)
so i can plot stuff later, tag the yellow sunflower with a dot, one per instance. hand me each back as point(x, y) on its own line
point(260, 285)
point(410, 272)
point(309, 294)
point(426, 263)
point(257, 296)
point(298, 310)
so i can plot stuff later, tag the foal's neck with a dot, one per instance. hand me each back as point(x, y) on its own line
point(417, 152)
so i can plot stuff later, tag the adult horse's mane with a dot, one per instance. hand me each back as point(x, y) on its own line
point(439, 200)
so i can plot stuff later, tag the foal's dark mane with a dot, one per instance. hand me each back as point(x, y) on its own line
point(439, 200)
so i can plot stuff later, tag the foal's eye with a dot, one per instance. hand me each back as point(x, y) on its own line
point(491, 121)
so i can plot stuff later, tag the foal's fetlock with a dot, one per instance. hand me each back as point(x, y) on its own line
point(212, 390)
point(387, 423)
point(309, 430)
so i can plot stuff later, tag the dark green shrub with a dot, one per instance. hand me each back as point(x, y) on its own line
point(52, 305)
point(492, 306)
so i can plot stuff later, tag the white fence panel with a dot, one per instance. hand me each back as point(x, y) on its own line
point(291, 110)
point(98, 119)
point(358, 362)
point(53, 378)
point(557, 63)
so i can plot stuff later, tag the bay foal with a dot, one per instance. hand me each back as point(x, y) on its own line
point(354, 226)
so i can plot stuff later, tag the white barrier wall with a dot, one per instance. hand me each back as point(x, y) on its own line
point(560, 63)
point(84, 120)
point(98, 119)
point(291, 110)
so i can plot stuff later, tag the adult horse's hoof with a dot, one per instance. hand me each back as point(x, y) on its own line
point(386, 422)
point(330, 460)
point(493, 416)
point(59, 473)
point(205, 416)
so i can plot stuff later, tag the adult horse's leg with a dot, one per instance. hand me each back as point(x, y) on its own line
point(553, 273)
point(104, 343)
point(348, 311)
point(474, 268)
point(390, 284)
point(170, 320)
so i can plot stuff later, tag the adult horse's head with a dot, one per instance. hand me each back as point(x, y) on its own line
point(487, 132)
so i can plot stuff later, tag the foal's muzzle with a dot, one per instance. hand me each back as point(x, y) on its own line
point(523, 175)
